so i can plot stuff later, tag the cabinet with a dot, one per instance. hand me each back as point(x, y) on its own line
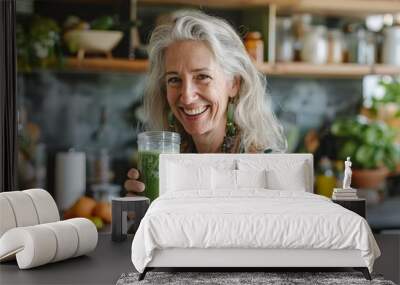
point(270, 9)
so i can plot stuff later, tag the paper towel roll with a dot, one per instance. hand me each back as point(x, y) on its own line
point(70, 178)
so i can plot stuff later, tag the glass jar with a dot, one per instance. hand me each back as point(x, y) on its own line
point(335, 46)
point(315, 46)
point(150, 145)
point(301, 26)
point(284, 40)
point(391, 46)
point(255, 46)
point(362, 47)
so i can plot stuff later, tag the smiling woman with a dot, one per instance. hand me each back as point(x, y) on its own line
point(203, 85)
point(197, 92)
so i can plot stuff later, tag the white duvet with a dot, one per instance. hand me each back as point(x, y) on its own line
point(252, 218)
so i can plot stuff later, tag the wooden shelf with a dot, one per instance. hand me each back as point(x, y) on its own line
point(386, 69)
point(345, 7)
point(229, 4)
point(330, 7)
point(347, 70)
point(320, 70)
point(105, 64)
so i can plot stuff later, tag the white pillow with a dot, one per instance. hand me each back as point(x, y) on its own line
point(293, 179)
point(287, 174)
point(251, 178)
point(183, 177)
point(223, 179)
point(228, 179)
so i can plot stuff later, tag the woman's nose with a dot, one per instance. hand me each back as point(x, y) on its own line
point(188, 92)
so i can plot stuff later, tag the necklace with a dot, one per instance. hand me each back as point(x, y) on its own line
point(230, 144)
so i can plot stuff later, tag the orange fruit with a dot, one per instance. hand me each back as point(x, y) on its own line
point(84, 207)
point(103, 210)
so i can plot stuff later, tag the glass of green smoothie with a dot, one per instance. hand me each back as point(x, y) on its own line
point(150, 145)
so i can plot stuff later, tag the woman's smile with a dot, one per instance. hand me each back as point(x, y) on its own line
point(194, 113)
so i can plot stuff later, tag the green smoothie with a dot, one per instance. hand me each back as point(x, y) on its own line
point(148, 168)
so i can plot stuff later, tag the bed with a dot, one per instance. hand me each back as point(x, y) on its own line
point(245, 211)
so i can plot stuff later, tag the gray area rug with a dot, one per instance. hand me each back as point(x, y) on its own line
point(269, 278)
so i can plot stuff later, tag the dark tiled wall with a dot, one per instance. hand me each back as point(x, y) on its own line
point(67, 107)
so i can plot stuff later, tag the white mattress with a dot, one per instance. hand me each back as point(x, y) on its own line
point(252, 218)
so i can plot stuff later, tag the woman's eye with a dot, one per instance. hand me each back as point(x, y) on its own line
point(173, 81)
point(203, 77)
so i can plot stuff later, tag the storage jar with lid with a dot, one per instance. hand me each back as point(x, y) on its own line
point(315, 46)
point(362, 47)
point(391, 46)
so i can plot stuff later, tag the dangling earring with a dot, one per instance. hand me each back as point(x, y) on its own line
point(230, 123)
point(171, 120)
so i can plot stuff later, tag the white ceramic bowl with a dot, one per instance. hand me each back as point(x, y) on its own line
point(93, 40)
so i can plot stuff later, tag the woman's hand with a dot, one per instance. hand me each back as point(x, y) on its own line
point(132, 185)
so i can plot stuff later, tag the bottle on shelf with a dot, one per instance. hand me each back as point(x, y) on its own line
point(284, 40)
point(335, 46)
point(301, 26)
point(255, 46)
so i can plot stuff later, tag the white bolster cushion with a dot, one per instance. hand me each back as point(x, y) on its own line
point(45, 205)
point(23, 208)
point(33, 246)
point(40, 244)
point(87, 235)
point(7, 218)
point(66, 238)
point(26, 208)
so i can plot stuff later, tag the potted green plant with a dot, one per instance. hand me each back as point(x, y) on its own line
point(387, 107)
point(38, 43)
point(371, 146)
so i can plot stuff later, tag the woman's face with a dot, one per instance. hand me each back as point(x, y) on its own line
point(197, 88)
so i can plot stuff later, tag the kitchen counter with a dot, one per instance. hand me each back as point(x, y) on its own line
point(104, 265)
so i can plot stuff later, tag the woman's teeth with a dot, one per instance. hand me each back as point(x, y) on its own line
point(196, 111)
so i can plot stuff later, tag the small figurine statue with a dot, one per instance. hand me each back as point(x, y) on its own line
point(347, 174)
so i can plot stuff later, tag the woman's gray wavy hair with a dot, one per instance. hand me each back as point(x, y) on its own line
point(253, 114)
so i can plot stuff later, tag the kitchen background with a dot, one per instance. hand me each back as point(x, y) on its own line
point(80, 111)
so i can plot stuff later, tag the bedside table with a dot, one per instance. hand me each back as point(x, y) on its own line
point(356, 205)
